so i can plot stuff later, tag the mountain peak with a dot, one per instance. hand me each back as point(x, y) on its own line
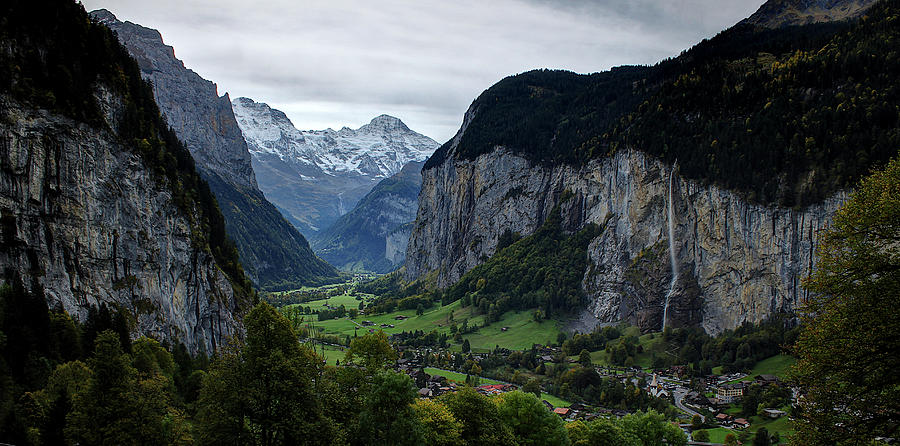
point(386, 122)
point(104, 16)
point(780, 13)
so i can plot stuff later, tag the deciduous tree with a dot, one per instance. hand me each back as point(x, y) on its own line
point(851, 327)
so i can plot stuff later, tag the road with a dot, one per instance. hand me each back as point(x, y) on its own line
point(679, 394)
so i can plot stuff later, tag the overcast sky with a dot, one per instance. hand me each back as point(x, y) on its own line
point(332, 63)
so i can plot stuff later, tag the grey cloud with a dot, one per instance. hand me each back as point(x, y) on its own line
point(341, 62)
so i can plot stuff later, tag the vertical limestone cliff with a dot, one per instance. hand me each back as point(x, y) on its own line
point(737, 261)
point(83, 217)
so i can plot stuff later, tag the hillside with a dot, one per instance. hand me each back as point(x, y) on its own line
point(715, 109)
point(101, 203)
point(722, 164)
point(275, 255)
point(373, 236)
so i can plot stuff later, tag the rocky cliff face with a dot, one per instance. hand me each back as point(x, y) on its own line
point(202, 119)
point(84, 219)
point(738, 261)
point(317, 176)
point(371, 237)
point(274, 254)
point(779, 13)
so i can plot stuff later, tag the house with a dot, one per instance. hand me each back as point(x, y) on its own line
point(765, 380)
point(367, 323)
point(504, 329)
point(731, 392)
point(400, 317)
point(724, 419)
point(774, 413)
point(741, 423)
point(562, 411)
point(424, 392)
point(577, 406)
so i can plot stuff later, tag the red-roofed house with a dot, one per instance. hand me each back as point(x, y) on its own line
point(562, 411)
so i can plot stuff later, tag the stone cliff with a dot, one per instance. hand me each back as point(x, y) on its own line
point(274, 254)
point(85, 219)
point(738, 261)
point(215, 142)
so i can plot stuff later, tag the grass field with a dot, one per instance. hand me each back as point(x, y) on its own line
point(457, 377)
point(332, 354)
point(718, 434)
point(461, 378)
point(522, 331)
point(783, 426)
point(346, 300)
point(777, 365)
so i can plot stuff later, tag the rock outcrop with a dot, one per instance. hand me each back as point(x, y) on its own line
point(274, 254)
point(738, 261)
point(780, 13)
point(192, 106)
point(85, 219)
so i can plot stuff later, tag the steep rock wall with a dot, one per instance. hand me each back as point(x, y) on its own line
point(738, 261)
point(84, 218)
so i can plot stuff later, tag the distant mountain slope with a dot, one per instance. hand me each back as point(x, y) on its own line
point(100, 202)
point(274, 254)
point(779, 13)
point(373, 236)
point(317, 176)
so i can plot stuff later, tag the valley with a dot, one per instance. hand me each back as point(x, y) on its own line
point(701, 249)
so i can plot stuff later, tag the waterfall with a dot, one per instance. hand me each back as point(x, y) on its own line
point(673, 262)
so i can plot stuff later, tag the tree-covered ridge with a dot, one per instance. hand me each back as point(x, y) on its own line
point(55, 57)
point(809, 122)
point(811, 108)
point(279, 257)
point(542, 271)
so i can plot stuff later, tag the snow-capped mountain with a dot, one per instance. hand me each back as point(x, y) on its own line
point(315, 176)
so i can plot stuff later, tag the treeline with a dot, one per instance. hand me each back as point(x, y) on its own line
point(734, 350)
point(66, 382)
point(811, 108)
point(810, 120)
point(282, 298)
point(542, 271)
point(55, 57)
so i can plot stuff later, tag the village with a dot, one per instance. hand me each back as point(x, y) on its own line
point(713, 401)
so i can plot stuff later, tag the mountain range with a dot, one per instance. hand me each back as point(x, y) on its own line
point(315, 177)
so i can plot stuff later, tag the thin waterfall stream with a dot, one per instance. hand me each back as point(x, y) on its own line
point(672, 261)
